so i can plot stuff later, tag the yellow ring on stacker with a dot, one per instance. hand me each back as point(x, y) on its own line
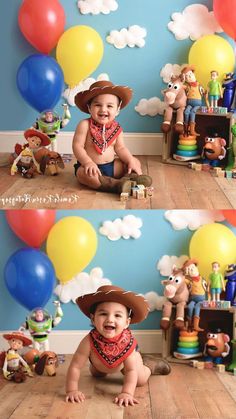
point(191, 339)
point(187, 142)
point(185, 333)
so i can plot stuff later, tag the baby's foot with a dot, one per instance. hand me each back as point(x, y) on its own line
point(157, 366)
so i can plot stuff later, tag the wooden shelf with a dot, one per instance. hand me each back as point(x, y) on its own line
point(205, 122)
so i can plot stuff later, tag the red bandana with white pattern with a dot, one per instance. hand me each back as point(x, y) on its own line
point(112, 352)
point(103, 135)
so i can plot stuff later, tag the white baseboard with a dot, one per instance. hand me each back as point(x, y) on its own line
point(66, 342)
point(145, 144)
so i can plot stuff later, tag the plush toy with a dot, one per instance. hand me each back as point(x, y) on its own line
point(46, 361)
point(175, 99)
point(176, 291)
point(15, 368)
point(50, 162)
point(25, 164)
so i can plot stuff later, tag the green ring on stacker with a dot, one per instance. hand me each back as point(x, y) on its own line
point(188, 344)
point(187, 147)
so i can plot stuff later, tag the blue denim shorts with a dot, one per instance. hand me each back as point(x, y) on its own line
point(107, 169)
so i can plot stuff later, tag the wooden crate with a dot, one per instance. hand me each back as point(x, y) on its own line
point(221, 123)
point(227, 317)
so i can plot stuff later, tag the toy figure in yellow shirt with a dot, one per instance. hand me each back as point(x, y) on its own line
point(198, 288)
point(194, 93)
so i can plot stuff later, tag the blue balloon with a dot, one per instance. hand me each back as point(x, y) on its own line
point(30, 277)
point(40, 81)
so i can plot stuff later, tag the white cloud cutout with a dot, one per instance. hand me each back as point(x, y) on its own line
point(81, 284)
point(131, 37)
point(69, 94)
point(170, 69)
point(95, 7)
point(195, 21)
point(165, 264)
point(192, 219)
point(126, 228)
point(155, 301)
point(150, 107)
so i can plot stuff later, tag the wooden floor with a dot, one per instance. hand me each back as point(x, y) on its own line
point(185, 393)
point(176, 187)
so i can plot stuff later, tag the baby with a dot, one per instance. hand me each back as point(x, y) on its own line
point(99, 138)
point(110, 345)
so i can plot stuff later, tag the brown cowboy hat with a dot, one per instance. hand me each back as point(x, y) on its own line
point(111, 293)
point(188, 68)
point(20, 336)
point(190, 262)
point(124, 93)
point(45, 140)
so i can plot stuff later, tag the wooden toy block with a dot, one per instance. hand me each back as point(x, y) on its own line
point(200, 365)
point(208, 365)
point(205, 303)
point(124, 196)
point(149, 190)
point(192, 165)
point(226, 304)
point(194, 363)
point(221, 173)
point(228, 174)
point(198, 167)
point(206, 167)
point(220, 367)
point(134, 191)
point(140, 194)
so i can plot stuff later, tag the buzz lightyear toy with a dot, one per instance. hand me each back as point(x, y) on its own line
point(40, 323)
point(50, 123)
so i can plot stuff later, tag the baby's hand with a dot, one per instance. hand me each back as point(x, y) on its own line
point(134, 165)
point(125, 399)
point(75, 396)
point(91, 169)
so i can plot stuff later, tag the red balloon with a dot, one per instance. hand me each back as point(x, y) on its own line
point(225, 14)
point(42, 23)
point(230, 216)
point(31, 226)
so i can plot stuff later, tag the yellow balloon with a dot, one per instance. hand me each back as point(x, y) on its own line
point(213, 243)
point(79, 52)
point(71, 245)
point(211, 52)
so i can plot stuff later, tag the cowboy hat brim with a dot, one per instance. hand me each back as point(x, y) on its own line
point(20, 336)
point(135, 302)
point(45, 140)
point(124, 93)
